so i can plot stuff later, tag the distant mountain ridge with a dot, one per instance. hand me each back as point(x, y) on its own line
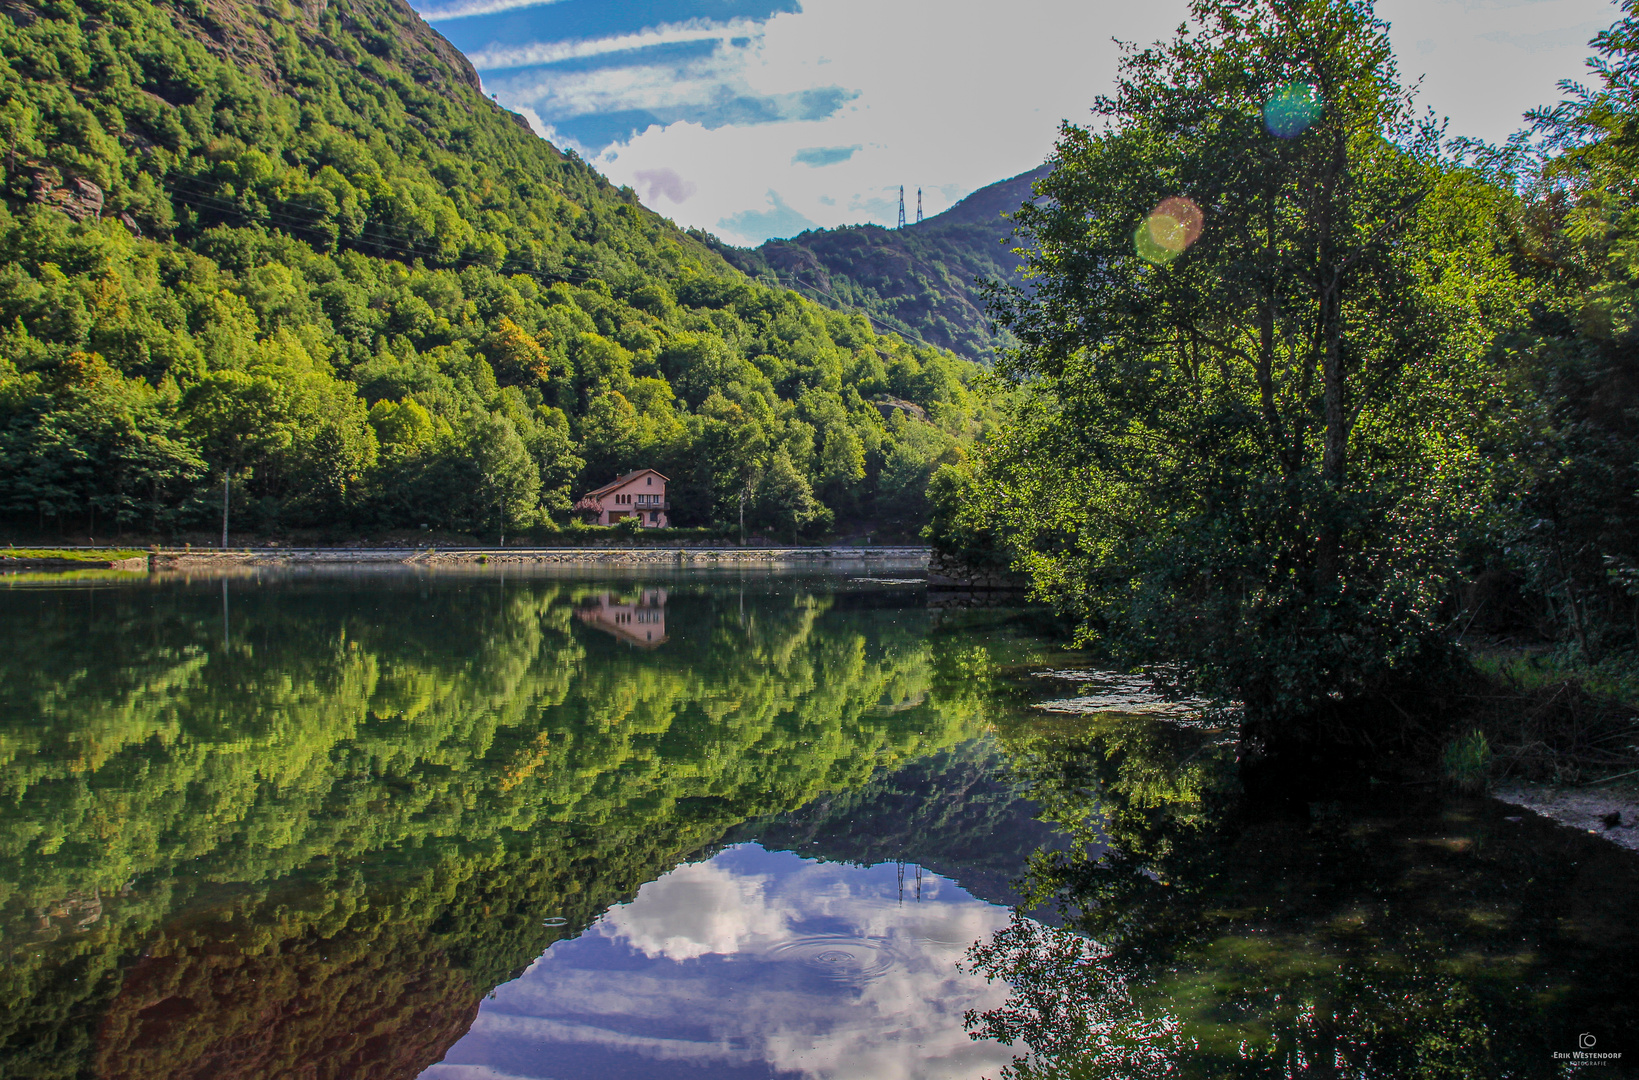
point(922, 280)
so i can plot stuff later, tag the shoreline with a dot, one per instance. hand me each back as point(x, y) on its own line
point(1612, 815)
point(138, 563)
point(679, 555)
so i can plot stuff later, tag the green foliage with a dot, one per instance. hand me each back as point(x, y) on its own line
point(306, 252)
point(1261, 458)
point(959, 525)
point(784, 502)
point(1570, 539)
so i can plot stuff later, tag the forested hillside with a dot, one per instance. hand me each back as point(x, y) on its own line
point(294, 245)
point(924, 280)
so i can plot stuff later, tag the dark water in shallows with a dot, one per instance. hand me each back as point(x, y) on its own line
point(475, 827)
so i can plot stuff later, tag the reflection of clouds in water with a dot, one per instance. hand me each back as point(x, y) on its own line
point(753, 961)
point(695, 910)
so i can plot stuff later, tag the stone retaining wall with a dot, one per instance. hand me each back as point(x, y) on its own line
point(642, 556)
point(946, 571)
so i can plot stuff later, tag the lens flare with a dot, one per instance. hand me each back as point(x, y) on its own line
point(1291, 111)
point(1170, 228)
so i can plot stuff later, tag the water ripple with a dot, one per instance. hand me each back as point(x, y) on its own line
point(843, 959)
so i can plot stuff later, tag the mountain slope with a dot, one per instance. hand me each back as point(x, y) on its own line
point(922, 279)
point(294, 245)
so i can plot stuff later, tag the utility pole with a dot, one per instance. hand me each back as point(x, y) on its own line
point(901, 206)
point(224, 511)
point(919, 206)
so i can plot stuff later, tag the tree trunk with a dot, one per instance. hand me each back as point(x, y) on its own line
point(1335, 453)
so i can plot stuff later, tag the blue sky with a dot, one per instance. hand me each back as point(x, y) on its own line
point(760, 118)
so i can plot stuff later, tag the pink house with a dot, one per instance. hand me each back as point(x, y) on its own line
point(641, 494)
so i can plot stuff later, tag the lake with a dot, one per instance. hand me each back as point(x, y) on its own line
point(473, 825)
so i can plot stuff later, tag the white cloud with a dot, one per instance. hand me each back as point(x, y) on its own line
point(664, 183)
point(556, 52)
point(479, 7)
point(948, 97)
point(697, 909)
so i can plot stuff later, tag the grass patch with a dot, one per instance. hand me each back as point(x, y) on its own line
point(1466, 762)
point(1537, 670)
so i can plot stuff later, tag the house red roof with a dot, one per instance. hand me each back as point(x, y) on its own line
point(617, 482)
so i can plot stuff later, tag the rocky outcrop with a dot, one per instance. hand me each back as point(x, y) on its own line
point(75, 196)
point(888, 406)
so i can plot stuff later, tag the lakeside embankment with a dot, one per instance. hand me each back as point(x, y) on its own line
point(73, 559)
point(200, 559)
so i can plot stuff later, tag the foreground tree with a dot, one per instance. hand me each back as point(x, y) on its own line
point(1249, 438)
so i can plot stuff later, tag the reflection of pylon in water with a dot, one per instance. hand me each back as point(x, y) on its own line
point(901, 206)
point(919, 206)
point(899, 868)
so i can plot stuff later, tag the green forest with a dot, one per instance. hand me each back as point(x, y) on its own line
point(248, 828)
point(293, 247)
point(1312, 395)
point(926, 280)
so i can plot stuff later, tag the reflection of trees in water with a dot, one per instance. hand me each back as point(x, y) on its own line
point(1382, 937)
point(355, 818)
point(948, 812)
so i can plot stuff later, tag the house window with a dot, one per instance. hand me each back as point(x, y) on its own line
point(653, 517)
point(651, 481)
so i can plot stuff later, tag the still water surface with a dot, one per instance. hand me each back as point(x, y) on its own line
point(468, 826)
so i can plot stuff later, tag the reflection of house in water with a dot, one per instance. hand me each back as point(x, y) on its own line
point(640, 620)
